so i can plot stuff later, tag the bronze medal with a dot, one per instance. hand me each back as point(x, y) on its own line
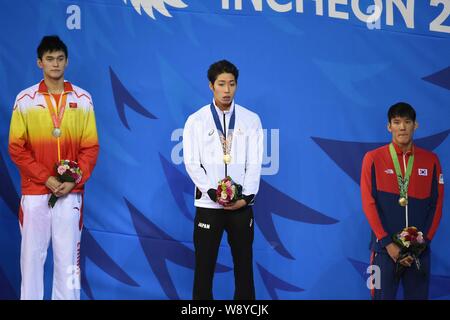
point(403, 201)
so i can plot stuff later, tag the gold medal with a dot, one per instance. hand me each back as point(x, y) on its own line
point(56, 132)
point(403, 201)
point(226, 158)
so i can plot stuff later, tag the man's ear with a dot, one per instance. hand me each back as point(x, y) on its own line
point(389, 127)
point(211, 86)
point(416, 125)
point(39, 63)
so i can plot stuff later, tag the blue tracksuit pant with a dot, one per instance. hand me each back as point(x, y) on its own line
point(415, 283)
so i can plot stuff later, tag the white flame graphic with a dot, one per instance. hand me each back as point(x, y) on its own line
point(159, 5)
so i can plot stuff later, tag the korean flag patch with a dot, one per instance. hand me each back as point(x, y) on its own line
point(423, 172)
point(441, 179)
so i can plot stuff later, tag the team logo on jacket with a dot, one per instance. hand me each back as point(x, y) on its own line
point(423, 172)
point(159, 5)
point(73, 105)
point(389, 171)
point(441, 179)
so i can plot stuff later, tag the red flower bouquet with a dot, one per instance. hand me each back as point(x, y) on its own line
point(66, 171)
point(228, 191)
point(411, 243)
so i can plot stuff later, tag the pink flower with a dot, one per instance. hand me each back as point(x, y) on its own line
point(61, 170)
point(228, 183)
point(420, 238)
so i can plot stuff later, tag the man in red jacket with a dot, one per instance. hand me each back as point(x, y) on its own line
point(51, 121)
point(401, 185)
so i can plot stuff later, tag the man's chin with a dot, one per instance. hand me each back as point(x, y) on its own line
point(57, 76)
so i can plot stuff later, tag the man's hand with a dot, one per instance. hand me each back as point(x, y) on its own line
point(52, 183)
point(64, 189)
point(235, 205)
point(393, 251)
point(407, 261)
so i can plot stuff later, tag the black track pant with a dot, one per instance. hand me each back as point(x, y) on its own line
point(208, 230)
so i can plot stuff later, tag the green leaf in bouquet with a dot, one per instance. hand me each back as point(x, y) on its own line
point(52, 200)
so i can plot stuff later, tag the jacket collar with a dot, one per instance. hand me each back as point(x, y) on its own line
point(229, 111)
point(43, 87)
point(399, 151)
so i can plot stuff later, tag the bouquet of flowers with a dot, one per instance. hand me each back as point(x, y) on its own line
point(411, 243)
point(66, 171)
point(228, 191)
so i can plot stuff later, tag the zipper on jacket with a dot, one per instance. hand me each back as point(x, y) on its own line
point(406, 207)
point(225, 136)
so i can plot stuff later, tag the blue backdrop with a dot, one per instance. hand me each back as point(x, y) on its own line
point(320, 77)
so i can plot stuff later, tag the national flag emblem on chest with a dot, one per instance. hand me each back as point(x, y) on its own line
point(441, 179)
point(423, 172)
point(73, 105)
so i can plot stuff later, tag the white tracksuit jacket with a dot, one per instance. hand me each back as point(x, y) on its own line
point(203, 154)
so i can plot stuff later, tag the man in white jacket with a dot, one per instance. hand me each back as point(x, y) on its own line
point(223, 139)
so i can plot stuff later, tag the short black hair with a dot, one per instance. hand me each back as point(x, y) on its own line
point(401, 109)
point(219, 67)
point(50, 44)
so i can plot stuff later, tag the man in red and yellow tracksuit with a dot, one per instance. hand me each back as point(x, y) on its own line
point(389, 211)
point(51, 121)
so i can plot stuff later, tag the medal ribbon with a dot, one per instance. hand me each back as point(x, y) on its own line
point(403, 183)
point(58, 115)
point(226, 142)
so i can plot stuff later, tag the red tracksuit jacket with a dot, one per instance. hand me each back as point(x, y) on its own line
point(380, 194)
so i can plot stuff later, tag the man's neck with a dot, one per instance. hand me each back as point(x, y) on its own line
point(54, 85)
point(405, 147)
point(222, 107)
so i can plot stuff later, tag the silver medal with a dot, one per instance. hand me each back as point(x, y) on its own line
point(56, 132)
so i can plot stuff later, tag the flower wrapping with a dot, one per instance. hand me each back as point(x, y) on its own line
point(66, 171)
point(228, 191)
point(411, 243)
